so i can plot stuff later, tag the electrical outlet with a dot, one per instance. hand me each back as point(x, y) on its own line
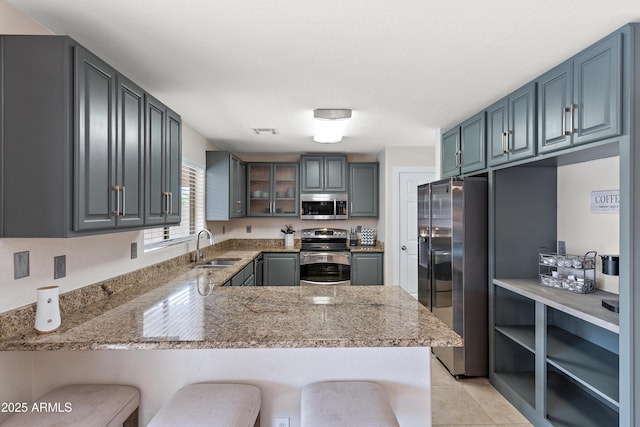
point(248, 229)
point(224, 229)
point(134, 250)
point(59, 266)
point(20, 264)
point(282, 422)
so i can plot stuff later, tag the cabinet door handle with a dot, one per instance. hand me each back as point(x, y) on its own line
point(403, 247)
point(508, 147)
point(572, 109)
point(564, 121)
point(458, 158)
point(165, 196)
point(504, 145)
point(116, 188)
point(124, 200)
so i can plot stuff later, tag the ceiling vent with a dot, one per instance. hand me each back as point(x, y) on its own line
point(265, 131)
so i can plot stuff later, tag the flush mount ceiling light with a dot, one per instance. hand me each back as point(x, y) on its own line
point(330, 124)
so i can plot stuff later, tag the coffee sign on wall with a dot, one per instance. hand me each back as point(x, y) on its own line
point(605, 201)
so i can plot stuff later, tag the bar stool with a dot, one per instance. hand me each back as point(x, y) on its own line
point(346, 403)
point(211, 404)
point(87, 405)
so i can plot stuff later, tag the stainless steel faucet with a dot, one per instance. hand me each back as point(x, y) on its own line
point(199, 256)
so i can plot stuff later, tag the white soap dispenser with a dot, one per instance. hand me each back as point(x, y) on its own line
point(47, 310)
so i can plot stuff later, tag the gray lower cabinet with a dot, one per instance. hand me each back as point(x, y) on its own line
point(363, 189)
point(281, 269)
point(244, 277)
point(511, 127)
point(225, 186)
point(367, 268)
point(580, 100)
point(73, 137)
point(323, 173)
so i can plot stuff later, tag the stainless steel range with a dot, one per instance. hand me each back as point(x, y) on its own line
point(324, 257)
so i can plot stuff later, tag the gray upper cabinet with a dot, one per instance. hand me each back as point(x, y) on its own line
point(130, 155)
point(472, 144)
point(95, 162)
point(73, 137)
point(511, 127)
point(272, 189)
point(163, 164)
point(323, 173)
point(281, 269)
point(363, 189)
point(580, 100)
point(225, 186)
point(450, 157)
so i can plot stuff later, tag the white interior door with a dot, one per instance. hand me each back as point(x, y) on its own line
point(407, 241)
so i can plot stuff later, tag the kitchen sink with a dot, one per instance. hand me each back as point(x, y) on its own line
point(219, 263)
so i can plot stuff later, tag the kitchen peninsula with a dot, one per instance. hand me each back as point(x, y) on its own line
point(185, 328)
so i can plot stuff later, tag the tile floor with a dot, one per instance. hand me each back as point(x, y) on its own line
point(470, 402)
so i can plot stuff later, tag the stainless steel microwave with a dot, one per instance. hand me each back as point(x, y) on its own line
point(324, 206)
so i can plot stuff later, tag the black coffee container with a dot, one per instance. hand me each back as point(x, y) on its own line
point(610, 264)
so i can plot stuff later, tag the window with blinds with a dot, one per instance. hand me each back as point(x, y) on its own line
point(192, 215)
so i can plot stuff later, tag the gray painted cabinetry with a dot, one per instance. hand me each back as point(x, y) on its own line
point(73, 143)
point(163, 164)
point(463, 147)
point(225, 186)
point(511, 127)
point(363, 189)
point(272, 189)
point(323, 173)
point(472, 145)
point(366, 269)
point(553, 364)
point(450, 157)
point(580, 100)
point(281, 269)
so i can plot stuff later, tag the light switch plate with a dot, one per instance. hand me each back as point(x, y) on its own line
point(59, 266)
point(562, 247)
point(20, 264)
point(282, 422)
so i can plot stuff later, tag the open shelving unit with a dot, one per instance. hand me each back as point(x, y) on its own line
point(556, 365)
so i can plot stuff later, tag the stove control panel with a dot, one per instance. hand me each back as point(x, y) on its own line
point(321, 233)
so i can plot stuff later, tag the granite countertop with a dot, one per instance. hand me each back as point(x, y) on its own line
point(189, 309)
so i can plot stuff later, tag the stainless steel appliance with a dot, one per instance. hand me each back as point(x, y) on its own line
point(452, 267)
point(324, 206)
point(324, 257)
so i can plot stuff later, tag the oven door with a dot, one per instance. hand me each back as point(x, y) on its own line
point(325, 268)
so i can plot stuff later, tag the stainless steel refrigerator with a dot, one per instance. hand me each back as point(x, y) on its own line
point(452, 267)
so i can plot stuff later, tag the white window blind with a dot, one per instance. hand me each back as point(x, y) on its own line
point(192, 211)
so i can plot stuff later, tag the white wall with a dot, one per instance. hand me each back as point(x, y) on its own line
point(390, 158)
point(582, 230)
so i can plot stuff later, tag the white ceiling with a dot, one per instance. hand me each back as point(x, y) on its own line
point(406, 67)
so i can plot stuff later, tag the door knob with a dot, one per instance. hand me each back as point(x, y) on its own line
point(404, 248)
